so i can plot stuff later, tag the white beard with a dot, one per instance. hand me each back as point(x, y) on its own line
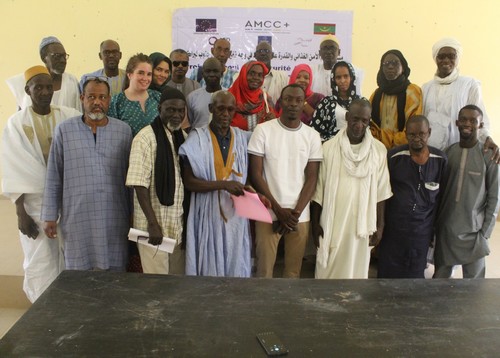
point(173, 128)
point(96, 116)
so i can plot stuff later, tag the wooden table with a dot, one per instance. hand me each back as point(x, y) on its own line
point(104, 314)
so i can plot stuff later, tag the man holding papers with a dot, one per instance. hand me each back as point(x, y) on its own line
point(215, 166)
point(154, 172)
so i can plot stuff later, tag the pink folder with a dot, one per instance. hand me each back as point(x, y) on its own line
point(249, 206)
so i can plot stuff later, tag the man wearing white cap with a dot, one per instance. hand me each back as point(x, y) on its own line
point(447, 93)
point(25, 149)
point(329, 51)
point(65, 85)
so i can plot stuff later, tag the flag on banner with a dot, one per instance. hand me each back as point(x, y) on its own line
point(324, 29)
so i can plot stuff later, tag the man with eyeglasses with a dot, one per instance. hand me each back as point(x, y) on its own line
point(85, 197)
point(25, 150)
point(110, 55)
point(221, 50)
point(275, 80)
point(447, 93)
point(470, 202)
point(417, 173)
point(155, 174)
point(329, 52)
point(180, 66)
point(65, 85)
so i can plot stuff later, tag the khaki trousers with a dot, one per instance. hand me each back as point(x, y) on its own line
point(267, 245)
point(159, 262)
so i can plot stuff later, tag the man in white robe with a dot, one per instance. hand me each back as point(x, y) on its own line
point(25, 149)
point(66, 87)
point(447, 93)
point(347, 207)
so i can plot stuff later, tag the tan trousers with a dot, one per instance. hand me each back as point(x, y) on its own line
point(159, 262)
point(267, 245)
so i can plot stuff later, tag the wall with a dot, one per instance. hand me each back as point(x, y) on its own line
point(379, 25)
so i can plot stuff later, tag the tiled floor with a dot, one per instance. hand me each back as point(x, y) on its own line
point(13, 303)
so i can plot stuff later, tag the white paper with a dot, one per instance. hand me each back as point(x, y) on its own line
point(142, 237)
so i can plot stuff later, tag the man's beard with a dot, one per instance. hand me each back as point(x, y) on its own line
point(172, 127)
point(96, 116)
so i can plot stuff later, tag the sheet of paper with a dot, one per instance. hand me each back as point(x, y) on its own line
point(250, 206)
point(142, 237)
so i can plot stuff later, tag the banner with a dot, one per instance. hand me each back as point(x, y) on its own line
point(294, 34)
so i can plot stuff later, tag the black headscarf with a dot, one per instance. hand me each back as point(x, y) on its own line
point(395, 87)
point(156, 58)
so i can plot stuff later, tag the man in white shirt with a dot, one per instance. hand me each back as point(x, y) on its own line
point(284, 163)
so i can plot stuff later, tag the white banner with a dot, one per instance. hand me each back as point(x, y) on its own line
point(294, 34)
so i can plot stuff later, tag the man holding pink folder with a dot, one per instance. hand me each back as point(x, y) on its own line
point(215, 169)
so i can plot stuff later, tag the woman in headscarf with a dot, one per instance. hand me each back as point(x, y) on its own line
point(394, 101)
point(253, 106)
point(329, 116)
point(447, 93)
point(302, 75)
point(162, 68)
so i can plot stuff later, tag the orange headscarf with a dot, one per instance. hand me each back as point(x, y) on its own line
point(248, 101)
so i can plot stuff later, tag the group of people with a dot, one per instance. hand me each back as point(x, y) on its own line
point(171, 151)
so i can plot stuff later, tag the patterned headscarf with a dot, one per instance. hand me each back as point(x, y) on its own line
point(351, 91)
point(324, 119)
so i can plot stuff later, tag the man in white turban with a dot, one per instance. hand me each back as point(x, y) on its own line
point(447, 93)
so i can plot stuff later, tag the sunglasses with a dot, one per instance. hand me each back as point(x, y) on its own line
point(180, 63)
point(450, 56)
